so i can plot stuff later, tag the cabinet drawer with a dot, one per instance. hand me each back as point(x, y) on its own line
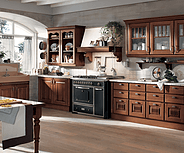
point(137, 95)
point(120, 93)
point(155, 97)
point(121, 106)
point(153, 88)
point(137, 87)
point(137, 108)
point(121, 86)
point(174, 113)
point(174, 90)
point(178, 99)
point(155, 110)
point(83, 109)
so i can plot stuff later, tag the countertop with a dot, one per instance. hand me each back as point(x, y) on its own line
point(146, 82)
point(54, 76)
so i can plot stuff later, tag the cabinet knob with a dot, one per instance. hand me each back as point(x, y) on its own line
point(174, 88)
point(137, 102)
point(154, 104)
point(136, 94)
point(173, 97)
point(121, 92)
point(154, 86)
point(154, 95)
point(174, 106)
point(121, 84)
point(120, 100)
point(137, 85)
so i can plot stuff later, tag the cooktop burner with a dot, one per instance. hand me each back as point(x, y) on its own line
point(98, 77)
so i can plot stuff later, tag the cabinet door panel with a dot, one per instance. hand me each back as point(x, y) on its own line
point(174, 90)
point(121, 93)
point(121, 106)
point(155, 97)
point(121, 86)
point(22, 91)
point(153, 88)
point(45, 90)
point(7, 91)
point(60, 92)
point(137, 108)
point(174, 112)
point(179, 37)
point(137, 95)
point(155, 110)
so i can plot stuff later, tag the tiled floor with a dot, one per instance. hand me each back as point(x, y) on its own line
point(64, 132)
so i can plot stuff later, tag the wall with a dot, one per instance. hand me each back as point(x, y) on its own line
point(100, 17)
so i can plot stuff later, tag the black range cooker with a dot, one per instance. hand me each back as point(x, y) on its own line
point(91, 95)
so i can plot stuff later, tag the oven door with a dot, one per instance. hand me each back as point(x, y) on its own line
point(83, 94)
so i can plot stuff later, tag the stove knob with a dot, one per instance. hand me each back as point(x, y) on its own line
point(98, 84)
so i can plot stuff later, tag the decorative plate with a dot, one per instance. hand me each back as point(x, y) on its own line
point(54, 47)
point(179, 71)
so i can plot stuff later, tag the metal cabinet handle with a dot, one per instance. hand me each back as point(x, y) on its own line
point(154, 104)
point(154, 86)
point(154, 95)
point(121, 92)
point(174, 88)
point(136, 94)
point(61, 82)
point(82, 88)
point(174, 106)
point(137, 102)
point(98, 89)
point(137, 85)
point(121, 84)
point(173, 97)
point(120, 100)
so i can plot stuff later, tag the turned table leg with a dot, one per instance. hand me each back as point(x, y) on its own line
point(37, 115)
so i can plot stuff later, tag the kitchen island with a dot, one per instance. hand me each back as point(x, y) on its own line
point(37, 114)
point(143, 102)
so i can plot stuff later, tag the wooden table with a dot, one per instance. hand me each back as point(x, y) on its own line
point(37, 114)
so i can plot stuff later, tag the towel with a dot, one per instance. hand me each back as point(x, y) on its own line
point(160, 83)
point(21, 131)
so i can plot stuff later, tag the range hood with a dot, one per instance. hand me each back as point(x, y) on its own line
point(90, 37)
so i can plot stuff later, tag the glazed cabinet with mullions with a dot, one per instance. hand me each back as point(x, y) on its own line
point(139, 38)
point(179, 37)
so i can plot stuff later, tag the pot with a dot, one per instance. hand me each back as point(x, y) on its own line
point(42, 55)
point(42, 45)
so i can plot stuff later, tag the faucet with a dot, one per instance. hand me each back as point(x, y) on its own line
point(113, 71)
point(6, 73)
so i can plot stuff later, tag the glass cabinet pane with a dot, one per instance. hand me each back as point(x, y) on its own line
point(181, 29)
point(136, 33)
point(156, 30)
point(161, 43)
point(163, 30)
point(140, 32)
point(181, 42)
point(144, 32)
point(159, 31)
point(168, 31)
point(139, 44)
point(133, 32)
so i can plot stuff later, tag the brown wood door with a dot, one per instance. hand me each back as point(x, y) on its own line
point(121, 93)
point(22, 91)
point(174, 113)
point(179, 37)
point(155, 110)
point(137, 108)
point(45, 89)
point(121, 106)
point(161, 37)
point(155, 97)
point(176, 99)
point(60, 92)
point(7, 90)
point(138, 38)
point(121, 86)
point(137, 87)
point(137, 95)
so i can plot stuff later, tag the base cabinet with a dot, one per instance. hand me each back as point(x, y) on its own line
point(18, 90)
point(121, 106)
point(137, 108)
point(54, 92)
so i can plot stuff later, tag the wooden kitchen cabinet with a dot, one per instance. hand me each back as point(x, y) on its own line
point(137, 108)
point(138, 38)
point(121, 106)
point(179, 37)
point(55, 92)
point(18, 90)
point(62, 37)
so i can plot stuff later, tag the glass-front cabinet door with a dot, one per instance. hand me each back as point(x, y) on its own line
point(179, 37)
point(161, 37)
point(138, 38)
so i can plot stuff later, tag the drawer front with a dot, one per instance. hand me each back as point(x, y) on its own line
point(137, 95)
point(155, 97)
point(121, 93)
point(121, 86)
point(137, 108)
point(174, 90)
point(137, 87)
point(83, 109)
point(174, 113)
point(121, 106)
point(178, 99)
point(155, 110)
point(153, 88)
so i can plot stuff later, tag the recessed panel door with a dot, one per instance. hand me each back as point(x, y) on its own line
point(137, 108)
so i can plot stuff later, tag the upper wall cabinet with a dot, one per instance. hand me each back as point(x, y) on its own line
point(155, 37)
point(62, 44)
point(139, 38)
